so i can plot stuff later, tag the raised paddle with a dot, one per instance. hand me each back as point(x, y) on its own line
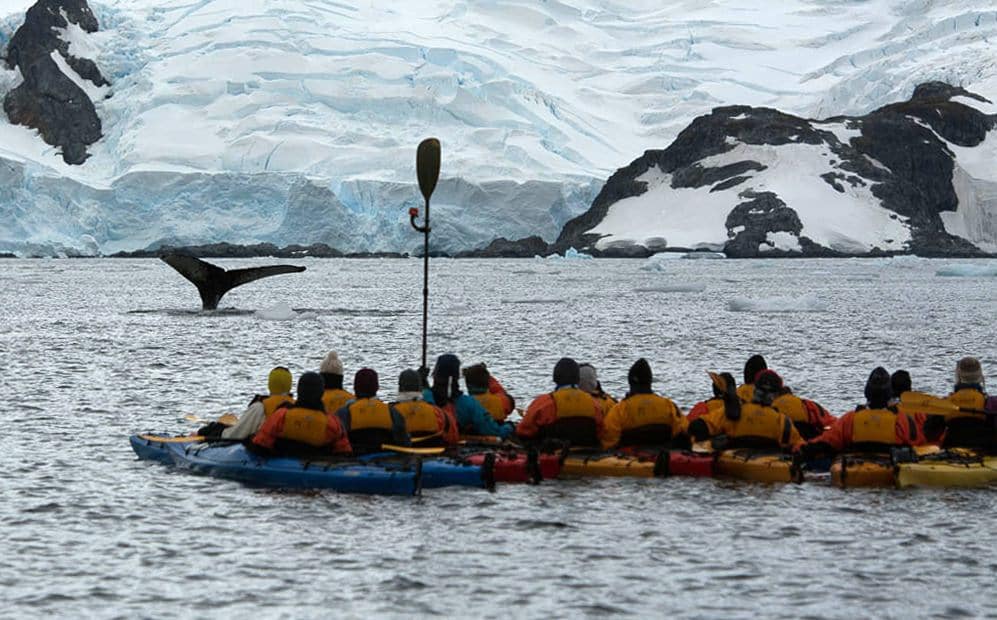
point(427, 168)
point(913, 400)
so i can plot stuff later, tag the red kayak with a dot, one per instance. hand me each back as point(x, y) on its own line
point(520, 466)
point(678, 463)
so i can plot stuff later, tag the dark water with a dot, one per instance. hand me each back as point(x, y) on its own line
point(95, 350)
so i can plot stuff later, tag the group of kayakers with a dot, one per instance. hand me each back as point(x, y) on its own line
point(432, 410)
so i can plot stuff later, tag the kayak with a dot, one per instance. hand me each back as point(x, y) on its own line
point(863, 470)
point(234, 462)
point(757, 466)
point(442, 471)
point(518, 466)
point(639, 464)
point(949, 468)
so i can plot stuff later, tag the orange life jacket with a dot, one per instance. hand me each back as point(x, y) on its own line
point(307, 426)
point(420, 417)
point(370, 424)
point(746, 392)
point(759, 426)
point(577, 418)
point(334, 399)
point(650, 420)
point(872, 428)
point(273, 403)
point(494, 404)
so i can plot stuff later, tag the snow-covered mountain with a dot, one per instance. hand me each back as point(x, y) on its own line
point(296, 122)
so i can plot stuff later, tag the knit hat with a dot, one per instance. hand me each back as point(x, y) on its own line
point(409, 381)
point(476, 378)
point(566, 371)
point(640, 374)
point(279, 381)
point(588, 381)
point(768, 385)
point(447, 365)
point(310, 389)
point(365, 383)
point(968, 372)
point(900, 382)
point(331, 364)
point(754, 365)
point(878, 390)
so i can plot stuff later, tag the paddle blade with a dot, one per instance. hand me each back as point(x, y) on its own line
point(427, 165)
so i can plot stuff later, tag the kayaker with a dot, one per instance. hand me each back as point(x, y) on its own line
point(966, 424)
point(334, 396)
point(754, 365)
point(566, 414)
point(716, 403)
point(368, 421)
point(876, 426)
point(470, 416)
point(809, 417)
point(303, 429)
point(911, 403)
point(485, 389)
point(750, 425)
point(262, 407)
point(642, 418)
point(588, 381)
point(421, 418)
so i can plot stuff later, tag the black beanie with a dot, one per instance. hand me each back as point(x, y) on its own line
point(566, 372)
point(310, 390)
point(476, 378)
point(640, 374)
point(754, 365)
point(409, 381)
point(365, 383)
point(878, 391)
point(730, 384)
point(900, 382)
point(768, 386)
point(446, 376)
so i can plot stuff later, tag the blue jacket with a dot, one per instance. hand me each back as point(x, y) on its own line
point(472, 416)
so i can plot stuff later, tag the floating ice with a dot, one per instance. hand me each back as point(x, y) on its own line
point(804, 303)
point(573, 254)
point(658, 262)
point(968, 271)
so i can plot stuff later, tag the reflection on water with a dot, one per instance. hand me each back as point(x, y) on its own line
point(90, 531)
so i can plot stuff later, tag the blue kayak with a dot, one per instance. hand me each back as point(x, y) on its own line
point(233, 461)
point(442, 471)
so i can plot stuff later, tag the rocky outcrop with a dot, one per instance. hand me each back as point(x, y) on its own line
point(504, 248)
point(49, 100)
point(897, 152)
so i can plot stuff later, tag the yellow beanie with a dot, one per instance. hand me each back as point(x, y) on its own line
point(279, 381)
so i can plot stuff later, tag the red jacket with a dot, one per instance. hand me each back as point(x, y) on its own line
point(273, 429)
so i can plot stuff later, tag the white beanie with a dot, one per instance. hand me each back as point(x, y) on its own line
point(331, 364)
point(587, 380)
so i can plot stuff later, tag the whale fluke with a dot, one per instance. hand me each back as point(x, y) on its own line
point(213, 282)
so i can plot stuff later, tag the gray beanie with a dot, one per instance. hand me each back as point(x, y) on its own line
point(587, 379)
point(969, 371)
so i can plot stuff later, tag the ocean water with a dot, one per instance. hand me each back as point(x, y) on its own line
point(92, 351)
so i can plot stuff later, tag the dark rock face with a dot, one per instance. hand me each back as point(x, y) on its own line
point(902, 162)
point(503, 248)
point(48, 100)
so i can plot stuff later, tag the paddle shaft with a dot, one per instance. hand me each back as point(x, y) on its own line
point(425, 284)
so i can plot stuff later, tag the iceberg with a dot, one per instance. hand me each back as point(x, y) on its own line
point(804, 303)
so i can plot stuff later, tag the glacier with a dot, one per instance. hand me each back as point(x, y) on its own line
point(296, 122)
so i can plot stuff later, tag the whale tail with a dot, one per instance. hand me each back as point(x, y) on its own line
point(213, 282)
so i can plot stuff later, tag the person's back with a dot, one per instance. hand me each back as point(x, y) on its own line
point(488, 392)
point(334, 396)
point(279, 383)
point(566, 414)
point(751, 425)
point(965, 428)
point(643, 418)
point(468, 414)
point(876, 426)
point(368, 421)
point(423, 421)
point(303, 429)
point(808, 416)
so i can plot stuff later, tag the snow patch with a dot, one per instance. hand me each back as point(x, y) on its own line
point(805, 303)
point(96, 93)
point(782, 240)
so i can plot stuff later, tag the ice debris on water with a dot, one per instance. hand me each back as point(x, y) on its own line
point(804, 303)
point(968, 271)
point(278, 312)
point(659, 262)
point(569, 254)
point(677, 287)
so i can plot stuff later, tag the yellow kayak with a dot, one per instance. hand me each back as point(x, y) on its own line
point(607, 465)
point(745, 464)
point(866, 470)
point(951, 468)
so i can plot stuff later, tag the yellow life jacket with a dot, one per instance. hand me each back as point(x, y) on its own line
point(746, 392)
point(334, 399)
point(370, 413)
point(913, 403)
point(791, 406)
point(573, 403)
point(493, 404)
point(874, 426)
point(307, 426)
point(649, 419)
point(968, 398)
point(273, 402)
point(606, 402)
point(761, 423)
point(420, 417)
